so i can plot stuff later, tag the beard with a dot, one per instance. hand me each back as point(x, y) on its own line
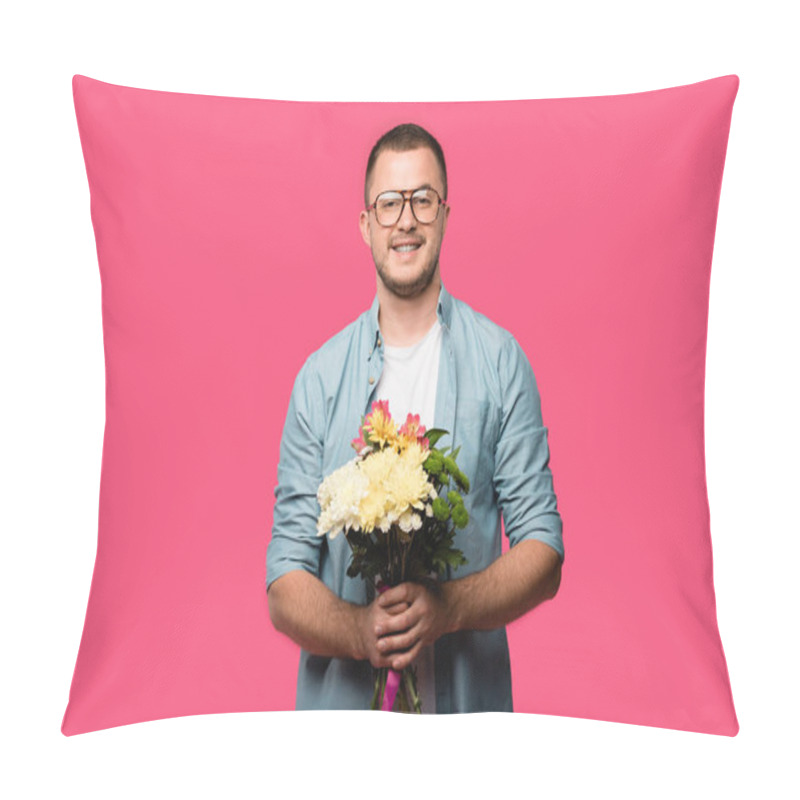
point(409, 287)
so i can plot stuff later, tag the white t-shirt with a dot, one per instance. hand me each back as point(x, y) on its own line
point(408, 382)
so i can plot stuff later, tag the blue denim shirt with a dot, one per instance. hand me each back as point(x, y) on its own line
point(487, 398)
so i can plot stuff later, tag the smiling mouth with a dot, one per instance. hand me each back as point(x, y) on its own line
point(406, 248)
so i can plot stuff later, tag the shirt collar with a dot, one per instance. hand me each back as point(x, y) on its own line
point(444, 311)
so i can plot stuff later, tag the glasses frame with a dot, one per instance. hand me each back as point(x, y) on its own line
point(407, 195)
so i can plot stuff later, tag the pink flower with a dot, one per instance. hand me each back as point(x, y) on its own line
point(411, 427)
point(358, 444)
point(381, 407)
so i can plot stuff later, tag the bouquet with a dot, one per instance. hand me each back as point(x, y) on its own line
point(399, 504)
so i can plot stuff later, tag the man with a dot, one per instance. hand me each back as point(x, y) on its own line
point(471, 376)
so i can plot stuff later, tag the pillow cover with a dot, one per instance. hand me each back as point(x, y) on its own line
point(228, 247)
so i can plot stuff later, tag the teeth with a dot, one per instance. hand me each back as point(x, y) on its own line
point(406, 248)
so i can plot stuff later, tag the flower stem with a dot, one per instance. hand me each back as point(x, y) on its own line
point(410, 689)
point(380, 687)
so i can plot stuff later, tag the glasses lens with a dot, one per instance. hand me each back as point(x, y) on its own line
point(425, 203)
point(388, 207)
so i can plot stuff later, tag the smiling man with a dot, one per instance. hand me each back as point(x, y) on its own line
point(405, 249)
point(425, 352)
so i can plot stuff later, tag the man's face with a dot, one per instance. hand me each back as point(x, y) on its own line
point(408, 273)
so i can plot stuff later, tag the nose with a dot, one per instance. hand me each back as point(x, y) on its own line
point(407, 219)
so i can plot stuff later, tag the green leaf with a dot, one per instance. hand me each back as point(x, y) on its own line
point(455, 558)
point(434, 434)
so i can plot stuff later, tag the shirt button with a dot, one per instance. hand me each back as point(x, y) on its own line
point(371, 379)
point(379, 342)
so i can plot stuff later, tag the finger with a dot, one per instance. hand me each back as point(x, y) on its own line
point(401, 642)
point(387, 623)
point(395, 594)
point(379, 660)
point(396, 608)
point(402, 661)
point(399, 622)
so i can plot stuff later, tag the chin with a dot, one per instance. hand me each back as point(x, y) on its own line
point(409, 288)
point(405, 280)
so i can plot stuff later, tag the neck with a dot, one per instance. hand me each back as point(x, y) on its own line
point(405, 320)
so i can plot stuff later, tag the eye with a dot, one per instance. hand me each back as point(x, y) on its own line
point(389, 201)
point(424, 198)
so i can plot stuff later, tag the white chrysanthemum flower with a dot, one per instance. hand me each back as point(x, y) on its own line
point(377, 491)
point(409, 521)
point(404, 523)
point(385, 525)
point(340, 496)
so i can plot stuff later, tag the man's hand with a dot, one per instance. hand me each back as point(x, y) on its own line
point(371, 618)
point(410, 615)
point(415, 614)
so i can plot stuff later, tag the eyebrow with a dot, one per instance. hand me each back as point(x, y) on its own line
point(400, 191)
point(415, 189)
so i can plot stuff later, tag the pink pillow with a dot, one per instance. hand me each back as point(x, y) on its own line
point(228, 245)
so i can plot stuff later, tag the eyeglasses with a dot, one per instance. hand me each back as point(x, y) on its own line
point(389, 206)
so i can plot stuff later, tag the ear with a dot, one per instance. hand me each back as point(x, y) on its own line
point(446, 217)
point(364, 223)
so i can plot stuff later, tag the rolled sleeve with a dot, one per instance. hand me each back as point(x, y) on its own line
point(294, 543)
point(522, 477)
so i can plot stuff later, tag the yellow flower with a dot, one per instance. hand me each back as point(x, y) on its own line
point(414, 454)
point(380, 425)
point(408, 483)
point(377, 468)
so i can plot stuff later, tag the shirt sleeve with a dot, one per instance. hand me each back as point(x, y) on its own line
point(522, 477)
point(295, 543)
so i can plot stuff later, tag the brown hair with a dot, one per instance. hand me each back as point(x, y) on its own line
point(401, 138)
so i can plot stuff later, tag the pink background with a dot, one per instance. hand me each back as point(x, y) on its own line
point(229, 249)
